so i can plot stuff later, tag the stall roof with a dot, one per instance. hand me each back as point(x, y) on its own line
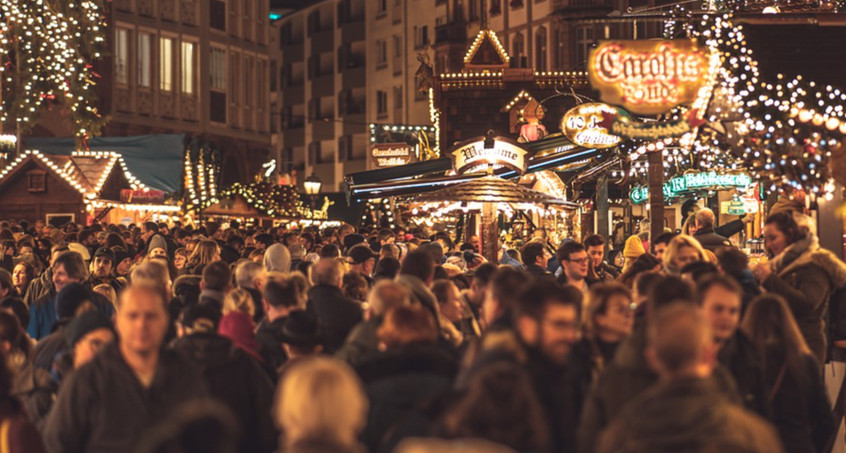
point(156, 160)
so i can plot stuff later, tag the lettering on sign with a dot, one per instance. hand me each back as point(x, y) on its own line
point(583, 125)
point(391, 154)
point(689, 182)
point(648, 77)
point(472, 156)
point(142, 196)
point(622, 125)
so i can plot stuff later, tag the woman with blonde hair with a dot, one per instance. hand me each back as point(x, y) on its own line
point(681, 251)
point(205, 252)
point(238, 300)
point(322, 399)
point(796, 389)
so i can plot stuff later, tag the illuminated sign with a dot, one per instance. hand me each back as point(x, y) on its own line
point(473, 156)
point(583, 126)
point(620, 124)
point(391, 154)
point(142, 196)
point(694, 181)
point(648, 77)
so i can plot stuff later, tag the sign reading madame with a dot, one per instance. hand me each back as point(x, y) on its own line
point(583, 126)
point(648, 77)
point(472, 156)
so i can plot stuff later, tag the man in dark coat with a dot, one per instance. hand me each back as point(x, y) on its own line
point(337, 314)
point(103, 268)
point(721, 300)
point(108, 404)
point(217, 279)
point(546, 320)
point(279, 299)
point(704, 220)
point(231, 376)
point(685, 411)
point(535, 257)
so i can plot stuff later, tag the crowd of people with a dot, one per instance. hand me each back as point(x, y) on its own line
point(166, 338)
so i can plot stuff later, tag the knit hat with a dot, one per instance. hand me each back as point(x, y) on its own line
point(633, 248)
point(107, 252)
point(86, 323)
point(157, 242)
point(300, 329)
point(70, 298)
point(238, 327)
point(120, 255)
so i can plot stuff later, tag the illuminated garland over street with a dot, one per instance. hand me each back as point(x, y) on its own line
point(270, 199)
point(47, 48)
point(783, 133)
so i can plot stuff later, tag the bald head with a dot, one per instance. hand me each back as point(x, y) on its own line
point(386, 295)
point(680, 342)
point(327, 271)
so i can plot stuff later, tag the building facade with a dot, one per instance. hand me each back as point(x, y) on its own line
point(187, 66)
point(338, 66)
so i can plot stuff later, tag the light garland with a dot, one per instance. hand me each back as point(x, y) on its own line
point(46, 55)
point(477, 42)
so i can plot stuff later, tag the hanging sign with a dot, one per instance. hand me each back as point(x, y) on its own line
point(386, 155)
point(694, 181)
point(620, 124)
point(479, 154)
point(583, 125)
point(648, 77)
point(142, 196)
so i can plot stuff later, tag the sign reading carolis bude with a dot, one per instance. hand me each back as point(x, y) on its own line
point(472, 156)
point(391, 154)
point(648, 77)
point(583, 126)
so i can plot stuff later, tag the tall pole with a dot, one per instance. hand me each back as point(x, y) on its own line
point(656, 193)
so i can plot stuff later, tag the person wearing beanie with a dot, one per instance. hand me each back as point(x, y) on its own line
point(123, 262)
point(87, 334)
point(103, 268)
point(157, 246)
point(632, 250)
point(277, 258)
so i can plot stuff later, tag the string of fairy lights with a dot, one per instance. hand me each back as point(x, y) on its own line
point(782, 133)
point(46, 53)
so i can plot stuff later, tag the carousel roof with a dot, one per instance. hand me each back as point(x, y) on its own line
point(493, 190)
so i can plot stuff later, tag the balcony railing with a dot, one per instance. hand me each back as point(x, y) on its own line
point(454, 32)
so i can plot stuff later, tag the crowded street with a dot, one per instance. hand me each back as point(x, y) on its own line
point(422, 226)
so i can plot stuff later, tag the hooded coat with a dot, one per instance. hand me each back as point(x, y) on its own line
point(806, 276)
point(235, 379)
point(277, 258)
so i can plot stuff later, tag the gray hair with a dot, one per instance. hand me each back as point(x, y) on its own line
point(246, 274)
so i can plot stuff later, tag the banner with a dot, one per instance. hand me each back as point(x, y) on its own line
point(583, 125)
point(480, 153)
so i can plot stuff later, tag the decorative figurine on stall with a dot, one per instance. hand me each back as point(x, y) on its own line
point(533, 130)
point(424, 78)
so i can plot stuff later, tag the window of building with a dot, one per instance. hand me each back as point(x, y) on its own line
point(540, 49)
point(187, 64)
point(397, 46)
point(145, 61)
point(274, 77)
point(584, 40)
point(217, 15)
point(421, 36)
point(561, 48)
point(515, 3)
point(217, 68)
point(248, 8)
point(166, 64)
point(381, 7)
point(122, 56)
point(36, 181)
point(234, 75)
point(397, 98)
point(473, 10)
point(381, 103)
point(518, 47)
point(496, 7)
point(381, 53)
